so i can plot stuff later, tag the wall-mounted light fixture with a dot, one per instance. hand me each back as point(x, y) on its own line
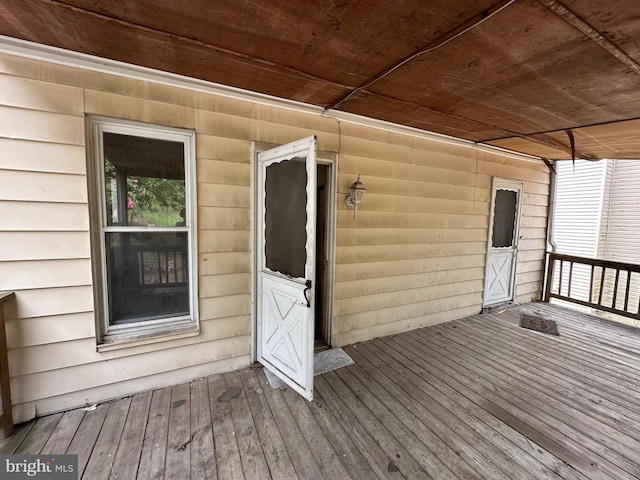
point(356, 192)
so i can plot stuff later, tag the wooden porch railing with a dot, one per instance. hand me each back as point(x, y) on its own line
point(6, 415)
point(601, 284)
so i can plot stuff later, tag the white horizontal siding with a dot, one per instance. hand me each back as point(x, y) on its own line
point(621, 231)
point(578, 207)
point(577, 218)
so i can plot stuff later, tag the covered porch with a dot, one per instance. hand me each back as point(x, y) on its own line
point(478, 397)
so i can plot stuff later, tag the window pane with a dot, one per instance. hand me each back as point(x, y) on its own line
point(286, 217)
point(504, 218)
point(144, 181)
point(147, 276)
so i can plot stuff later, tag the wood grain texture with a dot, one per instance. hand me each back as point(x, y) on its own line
point(100, 464)
point(478, 397)
point(127, 458)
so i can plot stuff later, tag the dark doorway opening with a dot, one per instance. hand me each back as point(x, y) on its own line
point(321, 333)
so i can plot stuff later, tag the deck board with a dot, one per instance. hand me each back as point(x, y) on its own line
point(127, 459)
point(474, 398)
point(581, 376)
point(459, 399)
point(485, 382)
point(253, 460)
point(373, 452)
point(154, 445)
point(299, 450)
point(456, 437)
point(273, 446)
point(64, 432)
point(342, 441)
point(203, 465)
point(37, 437)
point(586, 427)
point(228, 460)
point(100, 464)
point(86, 436)
point(178, 459)
point(11, 443)
point(393, 437)
point(553, 389)
point(322, 450)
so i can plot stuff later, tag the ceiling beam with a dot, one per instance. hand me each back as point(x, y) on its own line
point(572, 19)
point(549, 141)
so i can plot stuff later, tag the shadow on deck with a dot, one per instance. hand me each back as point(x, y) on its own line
point(478, 397)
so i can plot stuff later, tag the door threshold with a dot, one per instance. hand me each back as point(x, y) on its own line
point(496, 307)
point(320, 346)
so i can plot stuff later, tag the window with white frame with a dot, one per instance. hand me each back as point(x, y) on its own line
point(143, 197)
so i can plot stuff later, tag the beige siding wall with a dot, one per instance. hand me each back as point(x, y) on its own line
point(413, 256)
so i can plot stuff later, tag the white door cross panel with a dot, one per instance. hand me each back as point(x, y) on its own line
point(285, 328)
point(499, 277)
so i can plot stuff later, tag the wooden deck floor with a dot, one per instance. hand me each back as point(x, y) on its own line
point(474, 398)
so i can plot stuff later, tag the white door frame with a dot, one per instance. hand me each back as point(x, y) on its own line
point(330, 160)
point(512, 252)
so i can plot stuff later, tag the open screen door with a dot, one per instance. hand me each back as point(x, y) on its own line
point(286, 210)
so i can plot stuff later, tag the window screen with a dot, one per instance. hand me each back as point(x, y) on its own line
point(286, 217)
point(504, 218)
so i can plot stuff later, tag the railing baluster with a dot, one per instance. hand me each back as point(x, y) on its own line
point(626, 292)
point(560, 281)
point(615, 289)
point(570, 278)
point(638, 304)
point(593, 270)
point(159, 266)
point(601, 285)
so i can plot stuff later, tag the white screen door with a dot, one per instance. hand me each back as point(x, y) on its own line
point(504, 225)
point(286, 210)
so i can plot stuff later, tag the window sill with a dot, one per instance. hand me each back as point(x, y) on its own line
point(117, 342)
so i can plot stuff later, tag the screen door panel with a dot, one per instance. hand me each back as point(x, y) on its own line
point(286, 211)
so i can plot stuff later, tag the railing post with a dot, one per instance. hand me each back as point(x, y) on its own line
point(550, 264)
point(6, 417)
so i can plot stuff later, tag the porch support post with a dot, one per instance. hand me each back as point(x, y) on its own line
point(6, 417)
point(551, 260)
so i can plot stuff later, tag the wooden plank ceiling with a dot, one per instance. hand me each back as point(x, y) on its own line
point(527, 75)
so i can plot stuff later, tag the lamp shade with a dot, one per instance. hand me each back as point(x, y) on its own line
point(356, 191)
